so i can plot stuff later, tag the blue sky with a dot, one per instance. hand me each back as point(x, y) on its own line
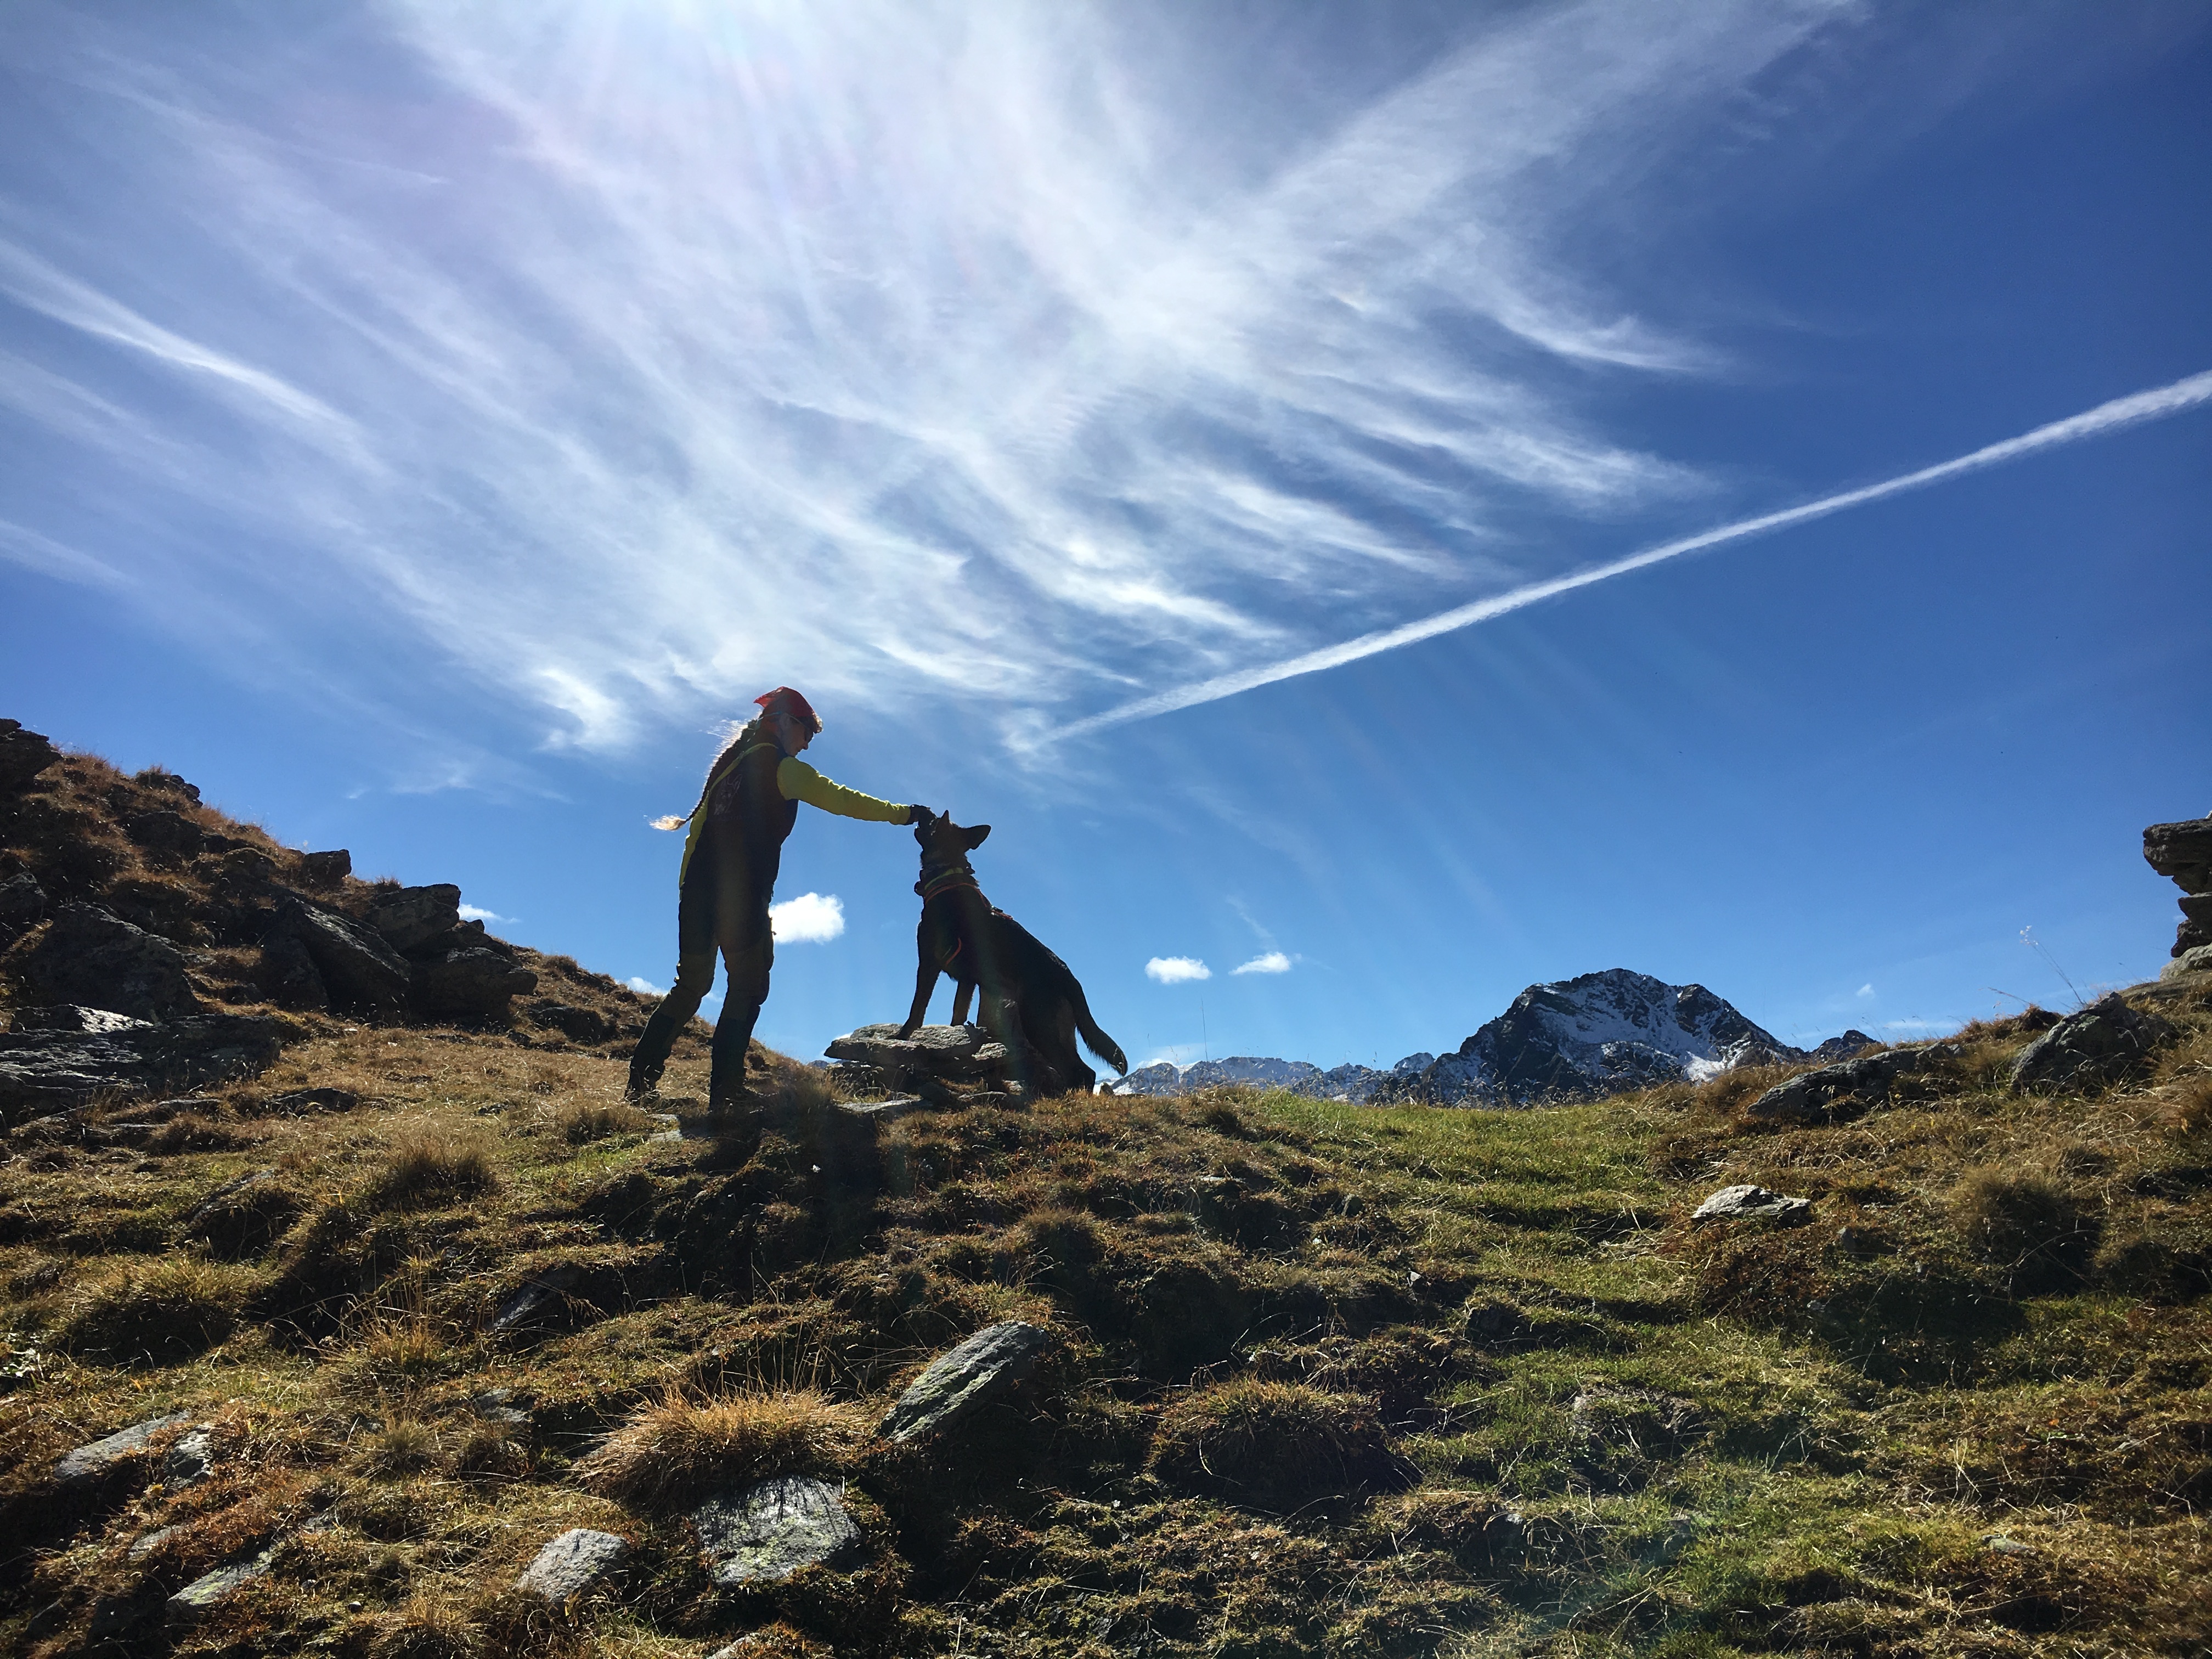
point(423, 425)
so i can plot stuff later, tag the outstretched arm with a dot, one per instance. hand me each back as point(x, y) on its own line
point(797, 780)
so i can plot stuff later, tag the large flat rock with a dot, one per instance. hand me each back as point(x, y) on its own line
point(766, 1533)
point(982, 1368)
point(47, 1071)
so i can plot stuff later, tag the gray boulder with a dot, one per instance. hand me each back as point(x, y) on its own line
point(164, 831)
point(2101, 1043)
point(577, 1024)
point(47, 1071)
point(770, 1532)
point(1841, 1091)
point(23, 755)
point(22, 907)
point(985, 1367)
point(358, 969)
point(470, 981)
point(93, 958)
point(572, 1564)
point(90, 1464)
point(1754, 1203)
point(414, 916)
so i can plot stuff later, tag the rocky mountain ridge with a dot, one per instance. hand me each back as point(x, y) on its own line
point(1579, 1039)
point(149, 942)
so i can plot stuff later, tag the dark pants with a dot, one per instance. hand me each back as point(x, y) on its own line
point(721, 910)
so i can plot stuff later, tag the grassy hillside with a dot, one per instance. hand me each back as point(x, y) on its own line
point(1324, 1379)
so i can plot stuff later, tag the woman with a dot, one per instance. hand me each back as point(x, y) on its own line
point(729, 858)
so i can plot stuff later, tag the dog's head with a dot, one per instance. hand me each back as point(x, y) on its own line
point(943, 841)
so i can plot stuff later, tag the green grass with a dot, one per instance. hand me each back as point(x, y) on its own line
point(1323, 1380)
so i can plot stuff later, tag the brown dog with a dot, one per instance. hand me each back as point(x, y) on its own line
point(1030, 999)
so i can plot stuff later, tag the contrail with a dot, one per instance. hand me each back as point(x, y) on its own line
point(2142, 406)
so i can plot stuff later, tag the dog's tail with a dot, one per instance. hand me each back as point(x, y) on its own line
point(1099, 1044)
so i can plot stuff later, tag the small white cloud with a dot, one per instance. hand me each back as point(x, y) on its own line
point(809, 919)
point(1866, 990)
point(1174, 970)
point(477, 912)
point(1274, 962)
point(644, 986)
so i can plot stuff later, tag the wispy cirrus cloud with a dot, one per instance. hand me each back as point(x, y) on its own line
point(659, 350)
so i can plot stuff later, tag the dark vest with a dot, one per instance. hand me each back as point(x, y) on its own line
point(747, 815)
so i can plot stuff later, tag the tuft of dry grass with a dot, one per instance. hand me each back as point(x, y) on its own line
point(1273, 1445)
point(164, 1310)
point(429, 1163)
point(2023, 1221)
point(582, 1121)
point(428, 1628)
point(681, 1449)
point(402, 1446)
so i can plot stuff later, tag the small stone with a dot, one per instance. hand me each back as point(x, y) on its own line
point(572, 1564)
point(1753, 1202)
point(772, 1530)
point(90, 1463)
point(537, 1295)
point(984, 1367)
point(141, 1547)
point(189, 1461)
point(205, 1591)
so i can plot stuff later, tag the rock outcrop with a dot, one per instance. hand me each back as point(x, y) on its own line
point(2182, 852)
point(94, 958)
point(22, 907)
point(23, 755)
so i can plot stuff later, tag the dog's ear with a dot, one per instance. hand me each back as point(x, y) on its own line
point(975, 836)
